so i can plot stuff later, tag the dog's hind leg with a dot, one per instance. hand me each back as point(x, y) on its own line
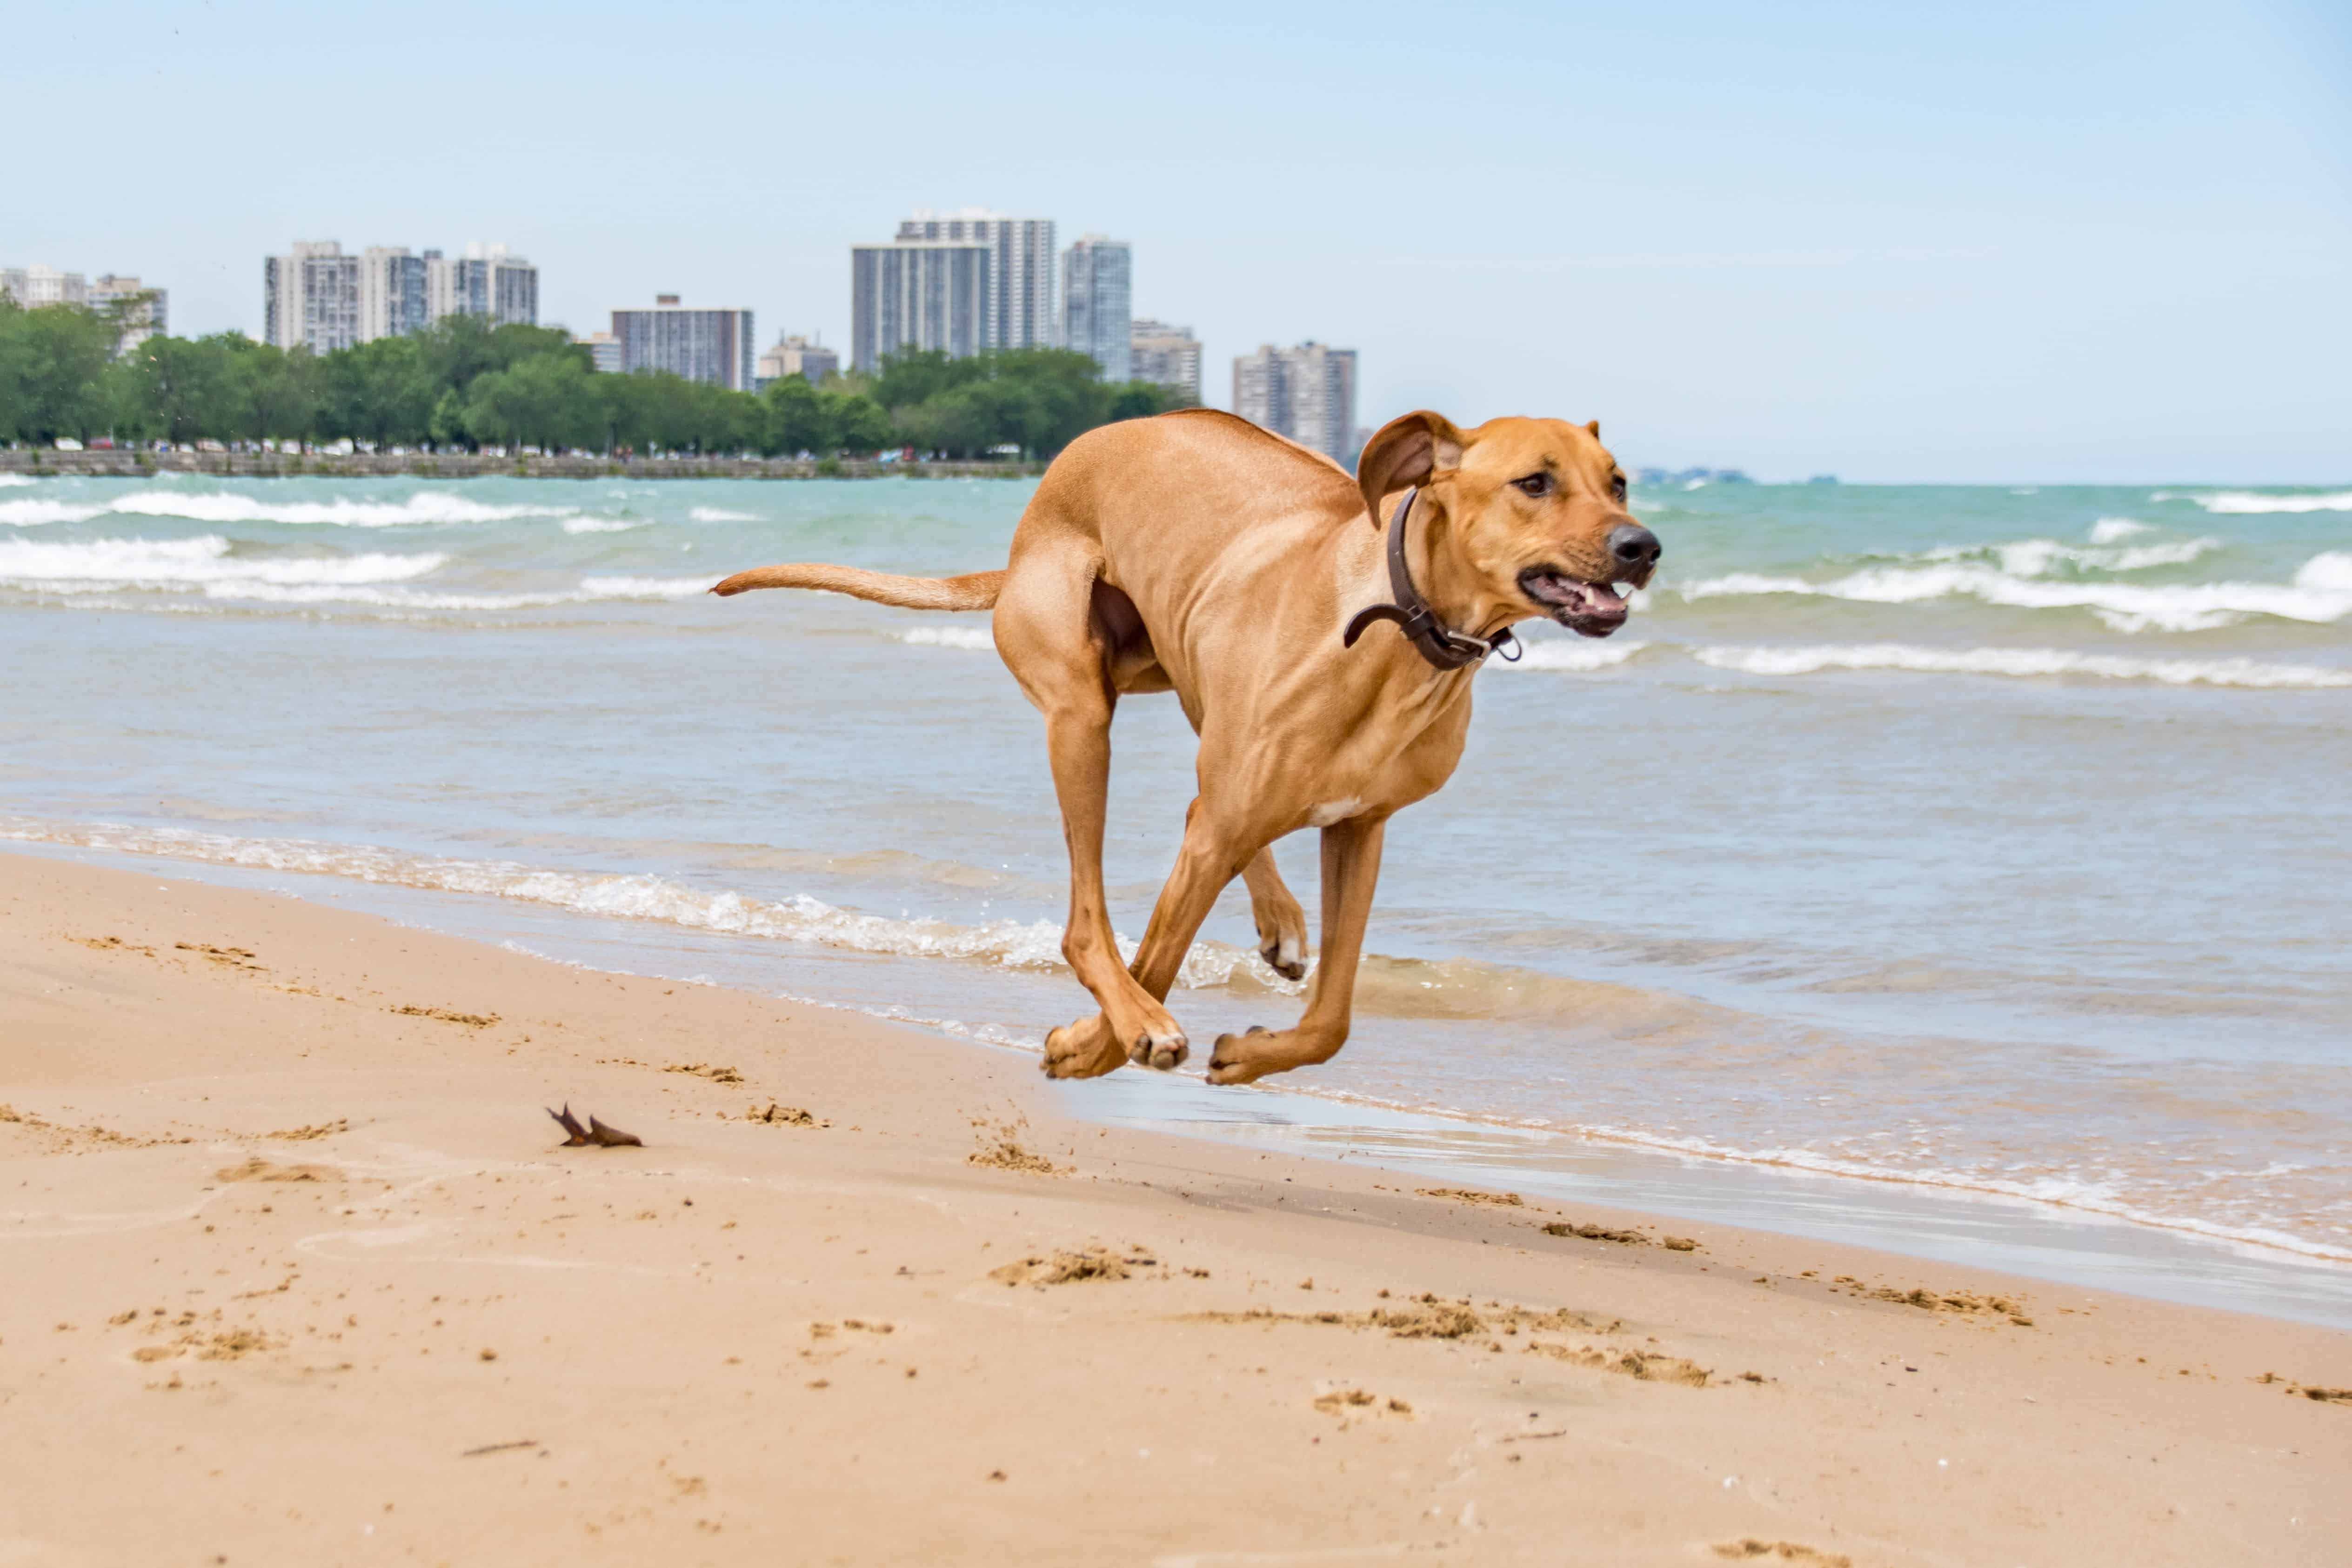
point(1351, 865)
point(1060, 655)
point(1281, 923)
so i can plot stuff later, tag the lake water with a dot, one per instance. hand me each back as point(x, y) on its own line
point(1978, 839)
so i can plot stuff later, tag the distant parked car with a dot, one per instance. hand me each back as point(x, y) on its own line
point(67, 444)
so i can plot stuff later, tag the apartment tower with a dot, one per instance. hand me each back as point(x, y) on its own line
point(1308, 393)
point(702, 345)
point(392, 292)
point(1170, 356)
point(1021, 309)
point(311, 297)
point(1098, 276)
point(920, 293)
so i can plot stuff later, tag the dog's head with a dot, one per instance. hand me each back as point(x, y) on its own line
point(1531, 511)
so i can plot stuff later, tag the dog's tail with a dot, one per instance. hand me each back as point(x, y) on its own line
point(972, 590)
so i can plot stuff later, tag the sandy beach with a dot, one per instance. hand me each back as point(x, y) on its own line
point(300, 1272)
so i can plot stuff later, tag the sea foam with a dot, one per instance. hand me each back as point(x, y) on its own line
point(976, 638)
point(34, 511)
point(90, 564)
point(1555, 653)
point(645, 587)
point(2252, 502)
point(718, 515)
point(424, 507)
point(2320, 593)
point(2021, 661)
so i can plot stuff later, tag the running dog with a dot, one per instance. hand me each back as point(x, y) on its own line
point(1197, 553)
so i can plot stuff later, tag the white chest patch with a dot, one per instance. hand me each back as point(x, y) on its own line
point(1331, 811)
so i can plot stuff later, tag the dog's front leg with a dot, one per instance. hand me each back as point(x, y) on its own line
point(1351, 865)
point(1215, 851)
point(1281, 923)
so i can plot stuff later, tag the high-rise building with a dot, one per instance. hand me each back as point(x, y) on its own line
point(794, 356)
point(1308, 393)
point(440, 287)
point(1098, 276)
point(392, 292)
point(920, 293)
point(35, 286)
point(145, 311)
point(1168, 355)
point(604, 352)
point(1021, 310)
point(311, 297)
point(488, 281)
point(702, 345)
point(492, 282)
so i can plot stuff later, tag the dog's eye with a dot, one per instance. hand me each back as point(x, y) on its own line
point(1617, 486)
point(1536, 484)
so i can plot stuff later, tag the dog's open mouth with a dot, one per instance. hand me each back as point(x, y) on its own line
point(1587, 609)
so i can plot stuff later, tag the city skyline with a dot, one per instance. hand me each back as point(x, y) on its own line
point(318, 298)
point(2096, 242)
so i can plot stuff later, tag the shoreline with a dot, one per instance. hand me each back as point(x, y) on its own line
point(1929, 1220)
point(281, 1195)
point(1926, 1220)
point(127, 464)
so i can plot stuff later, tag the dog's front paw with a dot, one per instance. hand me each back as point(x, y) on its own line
point(1286, 955)
point(1085, 1049)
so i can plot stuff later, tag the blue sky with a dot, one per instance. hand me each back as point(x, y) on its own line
point(1975, 242)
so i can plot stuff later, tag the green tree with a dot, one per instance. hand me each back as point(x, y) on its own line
point(381, 392)
point(548, 400)
point(190, 389)
point(52, 361)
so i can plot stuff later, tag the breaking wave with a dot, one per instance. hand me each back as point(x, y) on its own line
point(1558, 654)
point(2320, 593)
point(93, 565)
point(2025, 662)
point(210, 565)
point(32, 512)
point(2245, 502)
point(972, 637)
point(720, 515)
point(1400, 988)
point(598, 526)
point(425, 507)
point(645, 587)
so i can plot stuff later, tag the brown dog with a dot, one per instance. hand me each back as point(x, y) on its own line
point(1196, 553)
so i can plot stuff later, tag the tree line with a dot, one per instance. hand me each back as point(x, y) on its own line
point(462, 384)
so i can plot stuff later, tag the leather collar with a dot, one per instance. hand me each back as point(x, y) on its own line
point(1440, 645)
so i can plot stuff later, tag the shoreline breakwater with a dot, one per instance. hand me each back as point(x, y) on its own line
point(125, 462)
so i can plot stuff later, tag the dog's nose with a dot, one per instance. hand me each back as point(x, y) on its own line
point(1634, 548)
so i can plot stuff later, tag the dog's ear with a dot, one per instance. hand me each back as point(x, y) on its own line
point(1408, 449)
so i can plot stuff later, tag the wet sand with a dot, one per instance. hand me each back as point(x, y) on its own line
point(300, 1272)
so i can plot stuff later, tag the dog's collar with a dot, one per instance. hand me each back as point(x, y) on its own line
point(1440, 645)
